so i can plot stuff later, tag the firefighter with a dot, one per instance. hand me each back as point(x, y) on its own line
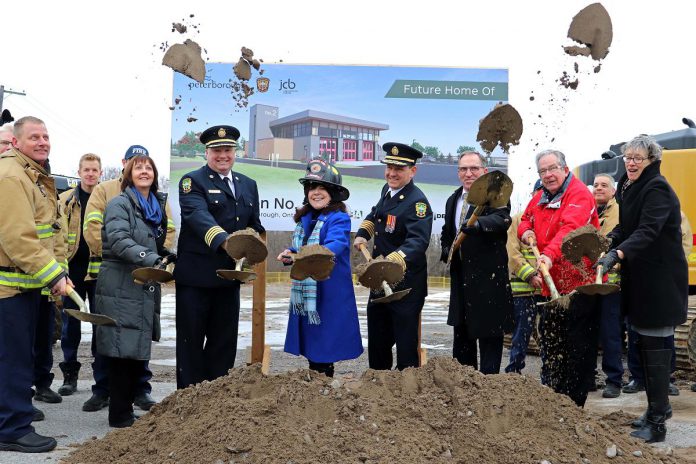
point(29, 231)
point(73, 204)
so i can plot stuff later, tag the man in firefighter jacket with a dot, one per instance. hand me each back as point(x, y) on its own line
point(29, 231)
point(72, 203)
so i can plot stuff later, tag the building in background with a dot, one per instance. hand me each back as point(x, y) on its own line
point(311, 134)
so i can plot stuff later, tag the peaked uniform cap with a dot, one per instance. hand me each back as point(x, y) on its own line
point(400, 154)
point(220, 136)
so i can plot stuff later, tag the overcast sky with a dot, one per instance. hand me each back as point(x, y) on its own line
point(92, 70)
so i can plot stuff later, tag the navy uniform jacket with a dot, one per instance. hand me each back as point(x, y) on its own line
point(401, 227)
point(209, 213)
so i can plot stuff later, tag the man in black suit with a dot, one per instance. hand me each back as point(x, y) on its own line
point(215, 201)
point(401, 223)
point(480, 296)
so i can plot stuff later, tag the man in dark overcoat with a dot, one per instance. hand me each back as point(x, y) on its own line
point(481, 307)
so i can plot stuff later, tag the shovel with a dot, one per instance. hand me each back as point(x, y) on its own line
point(314, 261)
point(598, 288)
point(83, 314)
point(556, 298)
point(158, 274)
point(492, 189)
point(373, 277)
point(237, 274)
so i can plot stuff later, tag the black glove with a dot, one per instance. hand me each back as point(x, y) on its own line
point(444, 253)
point(471, 230)
point(170, 258)
point(608, 261)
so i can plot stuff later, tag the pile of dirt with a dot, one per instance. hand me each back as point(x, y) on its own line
point(443, 412)
point(502, 126)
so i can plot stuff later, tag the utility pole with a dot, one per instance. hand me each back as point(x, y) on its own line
point(2, 95)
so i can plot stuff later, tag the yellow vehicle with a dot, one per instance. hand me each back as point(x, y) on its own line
point(678, 166)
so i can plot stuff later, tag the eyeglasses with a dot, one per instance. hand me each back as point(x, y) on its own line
point(473, 169)
point(636, 159)
point(5, 142)
point(542, 172)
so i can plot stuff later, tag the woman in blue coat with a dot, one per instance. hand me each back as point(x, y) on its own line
point(323, 322)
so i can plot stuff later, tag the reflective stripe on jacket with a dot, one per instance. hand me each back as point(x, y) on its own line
point(521, 261)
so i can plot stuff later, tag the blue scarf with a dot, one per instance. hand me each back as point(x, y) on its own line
point(151, 207)
point(303, 294)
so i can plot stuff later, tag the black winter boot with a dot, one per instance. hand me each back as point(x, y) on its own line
point(70, 372)
point(657, 366)
point(640, 422)
point(69, 384)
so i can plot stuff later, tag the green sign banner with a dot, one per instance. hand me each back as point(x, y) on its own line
point(448, 90)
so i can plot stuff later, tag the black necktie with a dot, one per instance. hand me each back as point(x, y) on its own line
point(230, 186)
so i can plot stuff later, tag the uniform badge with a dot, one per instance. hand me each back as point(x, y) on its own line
point(222, 132)
point(394, 151)
point(421, 209)
point(186, 184)
point(391, 223)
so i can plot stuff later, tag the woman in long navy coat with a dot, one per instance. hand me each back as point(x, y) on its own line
point(323, 321)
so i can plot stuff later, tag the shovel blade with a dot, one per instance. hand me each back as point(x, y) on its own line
point(231, 274)
point(147, 274)
point(491, 189)
point(598, 289)
point(393, 297)
point(96, 319)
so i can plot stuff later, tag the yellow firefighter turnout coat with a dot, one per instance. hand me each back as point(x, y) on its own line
point(32, 247)
point(521, 262)
point(102, 194)
point(71, 212)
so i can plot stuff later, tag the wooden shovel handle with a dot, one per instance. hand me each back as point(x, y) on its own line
point(598, 279)
point(545, 272)
point(461, 235)
point(365, 253)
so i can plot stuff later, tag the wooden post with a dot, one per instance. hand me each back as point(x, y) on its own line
point(260, 352)
point(422, 352)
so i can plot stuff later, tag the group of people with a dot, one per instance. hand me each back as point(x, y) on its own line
point(94, 236)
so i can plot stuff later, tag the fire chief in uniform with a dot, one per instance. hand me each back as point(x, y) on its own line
point(215, 201)
point(401, 223)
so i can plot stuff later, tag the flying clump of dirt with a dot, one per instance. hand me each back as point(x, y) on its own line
point(592, 29)
point(502, 126)
point(566, 81)
point(442, 412)
point(241, 90)
point(186, 59)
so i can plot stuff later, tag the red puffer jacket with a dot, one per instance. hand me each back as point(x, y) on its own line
point(551, 221)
